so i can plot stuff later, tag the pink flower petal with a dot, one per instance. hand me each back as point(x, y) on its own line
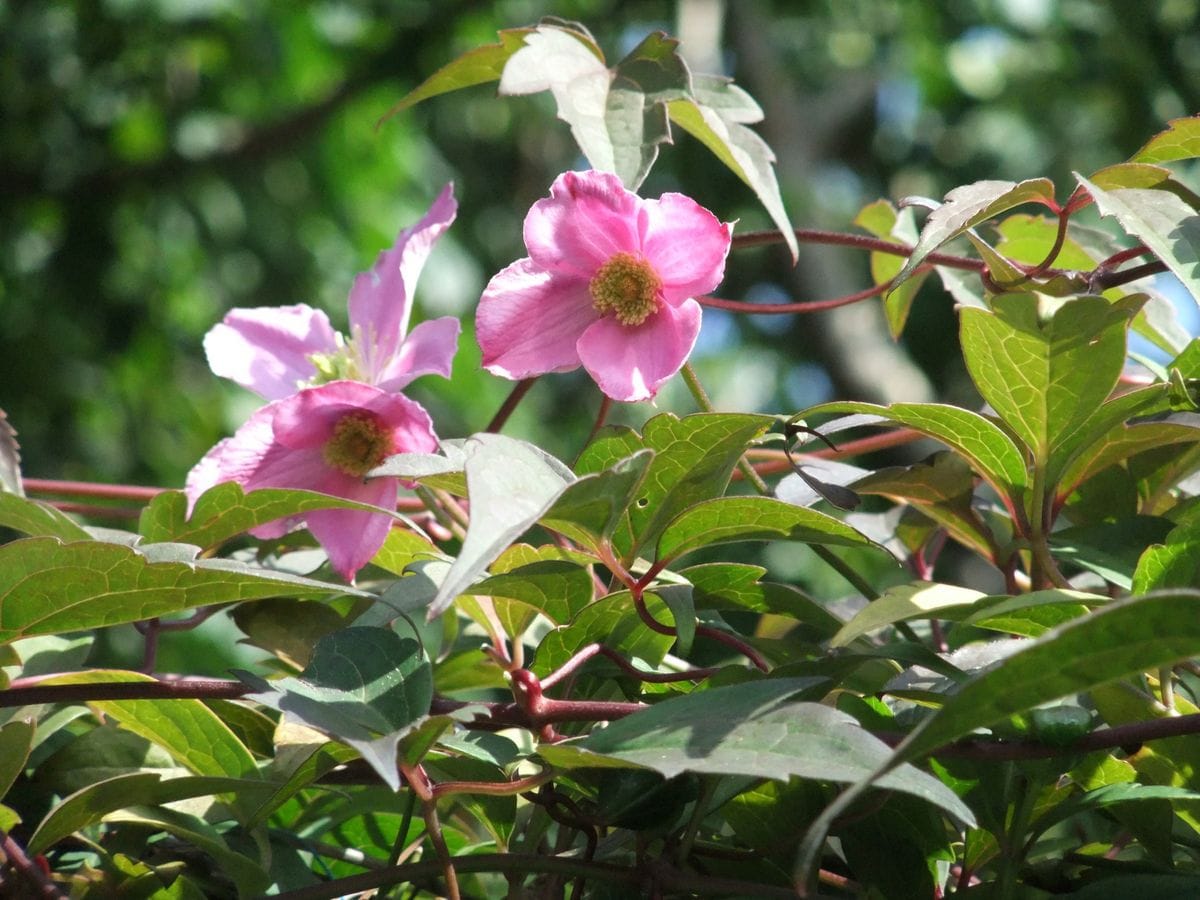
point(631, 362)
point(428, 350)
point(686, 245)
point(529, 321)
point(267, 349)
point(352, 537)
point(381, 299)
point(587, 219)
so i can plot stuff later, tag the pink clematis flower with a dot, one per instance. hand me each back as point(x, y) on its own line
point(325, 439)
point(274, 351)
point(609, 284)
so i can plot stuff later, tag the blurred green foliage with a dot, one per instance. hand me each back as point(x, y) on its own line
point(165, 160)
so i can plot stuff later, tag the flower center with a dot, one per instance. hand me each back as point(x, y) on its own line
point(359, 443)
point(627, 287)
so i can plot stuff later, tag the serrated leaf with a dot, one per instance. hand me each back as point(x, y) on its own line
point(750, 729)
point(989, 450)
point(366, 687)
point(47, 587)
point(1180, 140)
point(590, 508)
point(1046, 366)
point(1125, 637)
point(968, 206)
point(225, 511)
point(611, 621)
point(1167, 225)
point(730, 519)
point(724, 586)
point(694, 459)
point(922, 600)
point(511, 484)
point(478, 66)
point(38, 519)
point(715, 116)
point(558, 588)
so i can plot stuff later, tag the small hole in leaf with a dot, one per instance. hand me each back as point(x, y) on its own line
point(643, 502)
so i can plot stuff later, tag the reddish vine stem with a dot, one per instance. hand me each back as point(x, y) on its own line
point(778, 309)
point(510, 403)
point(89, 489)
point(723, 637)
point(29, 870)
point(419, 783)
point(592, 650)
point(491, 788)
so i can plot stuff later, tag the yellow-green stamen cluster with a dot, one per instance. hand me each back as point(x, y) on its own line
point(340, 365)
point(359, 443)
point(626, 287)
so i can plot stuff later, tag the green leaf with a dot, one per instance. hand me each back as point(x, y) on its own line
point(725, 586)
point(38, 519)
point(16, 740)
point(611, 621)
point(47, 587)
point(750, 729)
point(193, 734)
point(511, 484)
point(1167, 225)
point(1111, 549)
point(478, 66)
point(225, 511)
point(968, 206)
point(591, 508)
point(96, 801)
point(694, 459)
point(1045, 366)
point(1125, 637)
point(921, 600)
point(287, 628)
point(1126, 441)
point(1181, 140)
point(881, 219)
point(989, 450)
point(717, 115)
point(367, 687)
point(731, 519)
point(1174, 563)
point(558, 588)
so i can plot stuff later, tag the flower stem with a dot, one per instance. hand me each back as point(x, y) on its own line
point(705, 404)
point(510, 403)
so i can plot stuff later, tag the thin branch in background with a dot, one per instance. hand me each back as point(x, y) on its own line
point(510, 403)
point(778, 309)
point(39, 883)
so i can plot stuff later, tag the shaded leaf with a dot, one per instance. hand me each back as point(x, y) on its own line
point(1125, 637)
point(921, 600)
point(16, 739)
point(367, 687)
point(10, 458)
point(591, 508)
point(611, 621)
point(751, 729)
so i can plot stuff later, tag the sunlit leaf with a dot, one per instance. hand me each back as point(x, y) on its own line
point(38, 519)
point(47, 586)
point(922, 600)
point(511, 484)
point(1180, 140)
point(730, 519)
